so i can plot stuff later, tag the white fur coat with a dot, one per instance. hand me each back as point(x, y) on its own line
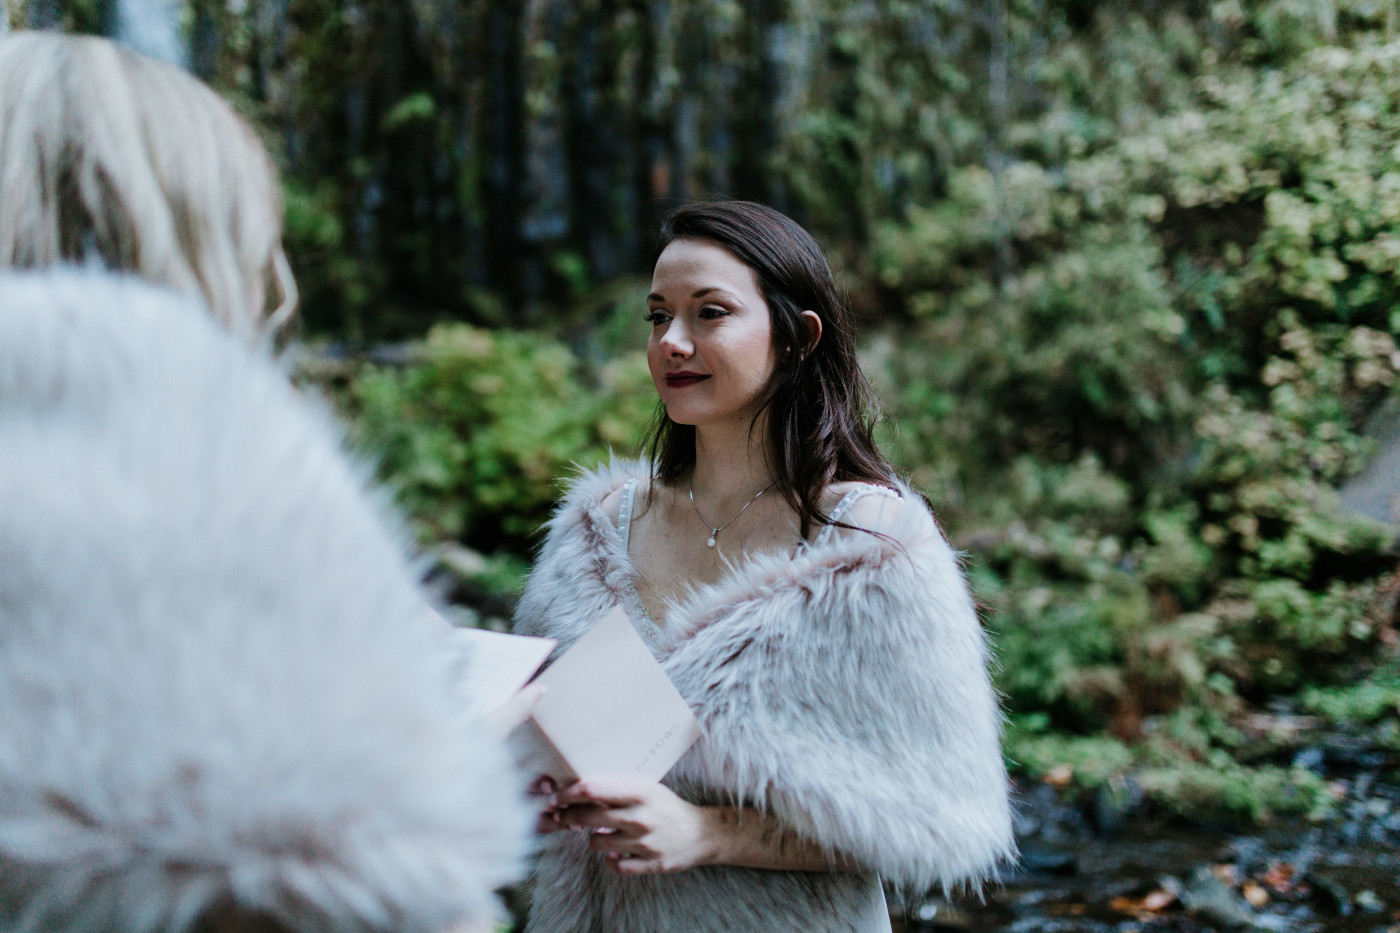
point(844, 690)
point(218, 678)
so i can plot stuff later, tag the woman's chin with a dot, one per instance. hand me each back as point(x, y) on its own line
point(682, 418)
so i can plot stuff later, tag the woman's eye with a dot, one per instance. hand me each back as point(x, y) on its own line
point(656, 317)
point(711, 312)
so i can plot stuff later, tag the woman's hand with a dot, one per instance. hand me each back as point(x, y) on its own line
point(643, 827)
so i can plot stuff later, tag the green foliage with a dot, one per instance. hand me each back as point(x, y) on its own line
point(1375, 698)
point(1154, 315)
point(476, 436)
point(314, 232)
point(1220, 788)
point(416, 106)
point(1092, 760)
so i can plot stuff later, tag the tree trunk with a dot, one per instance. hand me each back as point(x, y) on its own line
point(505, 142)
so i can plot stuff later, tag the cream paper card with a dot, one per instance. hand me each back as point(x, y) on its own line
point(495, 666)
point(609, 711)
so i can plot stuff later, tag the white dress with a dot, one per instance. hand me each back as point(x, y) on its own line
point(878, 919)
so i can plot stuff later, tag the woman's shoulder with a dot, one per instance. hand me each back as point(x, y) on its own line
point(892, 512)
point(602, 488)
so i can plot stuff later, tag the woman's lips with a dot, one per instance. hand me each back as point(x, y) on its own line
point(681, 380)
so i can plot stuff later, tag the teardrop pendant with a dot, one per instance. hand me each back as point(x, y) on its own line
point(711, 542)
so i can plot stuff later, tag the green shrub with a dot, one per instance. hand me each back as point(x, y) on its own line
point(477, 437)
point(1375, 698)
point(1221, 789)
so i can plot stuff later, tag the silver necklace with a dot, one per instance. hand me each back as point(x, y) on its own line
point(714, 532)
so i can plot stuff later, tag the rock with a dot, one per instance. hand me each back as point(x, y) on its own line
point(1112, 804)
point(939, 914)
point(1025, 823)
point(1332, 893)
point(1312, 759)
point(1369, 902)
point(1208, 896)
point(1250, 854)
point(1056, 925)
point(1048, 861)
point(1303, 857)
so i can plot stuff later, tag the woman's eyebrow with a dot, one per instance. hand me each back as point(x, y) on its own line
point(657, 296)
point(714, 288)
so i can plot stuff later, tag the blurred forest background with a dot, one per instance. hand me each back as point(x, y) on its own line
point(1129, 276)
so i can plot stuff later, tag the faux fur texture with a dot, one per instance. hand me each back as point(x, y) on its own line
point(844, 690)
point(218, 677)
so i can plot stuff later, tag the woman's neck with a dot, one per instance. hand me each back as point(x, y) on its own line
point(731, 465)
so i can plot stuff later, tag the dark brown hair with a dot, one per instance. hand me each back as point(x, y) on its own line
point(820, 408)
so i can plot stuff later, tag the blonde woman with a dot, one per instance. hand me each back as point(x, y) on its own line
point(108, 157)
point(225, 707)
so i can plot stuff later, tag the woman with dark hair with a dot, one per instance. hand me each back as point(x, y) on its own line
point(803, 601)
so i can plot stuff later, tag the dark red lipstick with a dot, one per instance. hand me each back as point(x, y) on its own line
point(684, 378)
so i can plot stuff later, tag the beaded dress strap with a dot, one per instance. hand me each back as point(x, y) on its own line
point(844, 506)
point(624, 512)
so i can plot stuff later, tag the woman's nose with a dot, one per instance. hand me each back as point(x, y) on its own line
point(676, 342)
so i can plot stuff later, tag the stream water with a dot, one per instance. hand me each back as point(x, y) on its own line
point(1149, 874)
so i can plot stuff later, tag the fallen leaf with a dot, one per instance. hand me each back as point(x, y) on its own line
point(1070, 910)
point(1279, 877)
point(1227, 873)
point(1124, 905)
point(1254, 893)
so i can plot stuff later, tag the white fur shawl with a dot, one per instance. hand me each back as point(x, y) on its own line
point(218, 679)
point(844, 690)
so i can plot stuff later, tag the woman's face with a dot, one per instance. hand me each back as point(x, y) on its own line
point(711, 346)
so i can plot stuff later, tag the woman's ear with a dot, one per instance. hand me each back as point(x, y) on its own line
point(813, 323)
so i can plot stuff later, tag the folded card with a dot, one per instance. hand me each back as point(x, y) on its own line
point(609, 711)
point(494, 666)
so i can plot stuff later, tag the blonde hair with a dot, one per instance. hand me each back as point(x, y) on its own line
point(109, 156)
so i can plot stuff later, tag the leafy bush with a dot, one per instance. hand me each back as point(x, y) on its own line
point(1150, 336)
point(476, 435)
point(1222, 789)
point(1375, 698)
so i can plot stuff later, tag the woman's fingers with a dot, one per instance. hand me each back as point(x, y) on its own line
point(606, 820)
point(550, 821)
point(619, 844)
point(613, 793)
point(588, 817)
point(635, 866)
